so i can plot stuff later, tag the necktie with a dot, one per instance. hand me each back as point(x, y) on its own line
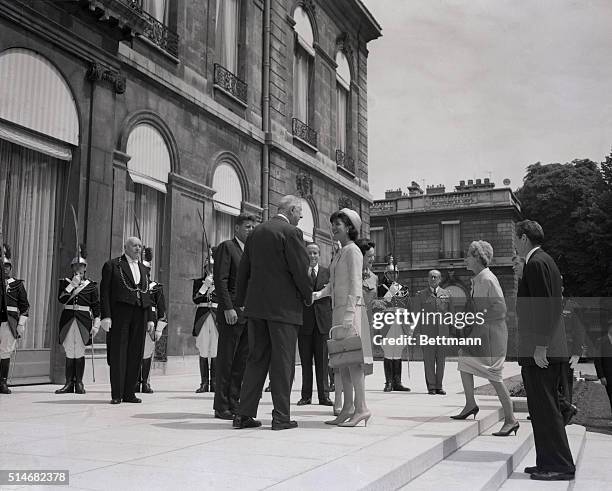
point(313, 276)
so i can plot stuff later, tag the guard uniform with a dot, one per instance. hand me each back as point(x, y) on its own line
point(205, 329)
point(17, 309)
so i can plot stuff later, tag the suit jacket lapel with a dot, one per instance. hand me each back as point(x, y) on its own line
point(123, 264)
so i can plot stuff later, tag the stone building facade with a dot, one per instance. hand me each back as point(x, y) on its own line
point(432, 229)
point(155, 117)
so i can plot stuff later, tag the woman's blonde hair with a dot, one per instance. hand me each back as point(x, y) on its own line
point(481, 250)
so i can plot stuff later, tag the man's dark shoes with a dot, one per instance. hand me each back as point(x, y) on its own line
point(225, 414)
point(132, 399)
point(325, 402)
point(115, 401)
point(552, 476)
point(304, 402)
point(146, 388)
point(431, 392)
point(441, 392)
point(241, 422)
point(283, 425)
point(531, 470)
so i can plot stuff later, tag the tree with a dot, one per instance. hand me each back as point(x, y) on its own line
point(562, 198)
point(601, 216)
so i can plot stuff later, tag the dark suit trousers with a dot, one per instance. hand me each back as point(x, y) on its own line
point(232, 352)
point(313, 345)
point(126, 348)
point(566, 387)
point(434, 360)
point(271, 347)
point(542, 388)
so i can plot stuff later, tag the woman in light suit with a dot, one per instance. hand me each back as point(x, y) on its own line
point(348, 313)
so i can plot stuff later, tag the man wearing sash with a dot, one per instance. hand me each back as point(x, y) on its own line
point(17, 308)
point(153, 335)
point(79, 322)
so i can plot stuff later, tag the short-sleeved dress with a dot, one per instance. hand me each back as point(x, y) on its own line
point(487, 360)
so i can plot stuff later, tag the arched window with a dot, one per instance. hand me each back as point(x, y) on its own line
point(343, 90)
point(148, 168)
point(226, 44)
point(39, 128)
point(306, 224)
point(303, 61)
point(227, 201)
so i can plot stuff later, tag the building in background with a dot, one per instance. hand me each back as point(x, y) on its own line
point(433, 229)
point(147, 114)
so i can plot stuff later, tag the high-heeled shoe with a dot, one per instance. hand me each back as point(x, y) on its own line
point(356, 419)
point(473, 411)
point(339, 419)
point(514, 428)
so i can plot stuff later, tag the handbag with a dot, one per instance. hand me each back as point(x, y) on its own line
point(344, 352)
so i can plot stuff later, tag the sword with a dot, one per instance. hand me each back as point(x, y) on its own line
point(207, 244)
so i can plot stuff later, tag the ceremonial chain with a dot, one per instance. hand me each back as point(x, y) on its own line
point(137, 289)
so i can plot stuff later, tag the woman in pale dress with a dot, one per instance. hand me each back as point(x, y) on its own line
point(487, 360)
point(348, 314)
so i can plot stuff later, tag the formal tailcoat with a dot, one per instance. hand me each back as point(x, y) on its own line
point(209, 299)
point(16, 303)
point(159, 304)
point(85, 296)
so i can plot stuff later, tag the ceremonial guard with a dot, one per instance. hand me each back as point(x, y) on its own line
point(17, 307)
point(79, 322)
point(159, 313)
point(204, 325)
point(393, 297)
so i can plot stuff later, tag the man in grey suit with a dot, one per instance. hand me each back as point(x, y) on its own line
point(273, 286)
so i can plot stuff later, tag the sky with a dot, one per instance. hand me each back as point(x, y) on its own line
point(467, 89)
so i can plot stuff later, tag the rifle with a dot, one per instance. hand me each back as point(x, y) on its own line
point(78, 255)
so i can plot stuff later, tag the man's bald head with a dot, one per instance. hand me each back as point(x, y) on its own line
point(133, 247)
point(434, 277)
point(291, 207)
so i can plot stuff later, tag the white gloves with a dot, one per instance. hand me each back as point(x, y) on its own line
point(76, 281)
point(574, 361)
point(95, 327)
point(105, 324)
point(21, 325)
point(208, 282)
point(159, 329)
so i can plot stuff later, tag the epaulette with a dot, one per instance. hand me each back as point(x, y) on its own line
point(15, 284)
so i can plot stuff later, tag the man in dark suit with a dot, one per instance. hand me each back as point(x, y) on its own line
point(542, 353)
point(434, 299)
point(125, 304)
point(232, 348)
point(313, 335)
point(273, 287)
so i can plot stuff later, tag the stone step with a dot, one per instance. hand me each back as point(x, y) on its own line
point(519, 481)
point(482, 464)
point(389, 464)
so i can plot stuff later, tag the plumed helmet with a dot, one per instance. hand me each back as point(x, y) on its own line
point(7, 254)
point(147, 257)
point(82, 257)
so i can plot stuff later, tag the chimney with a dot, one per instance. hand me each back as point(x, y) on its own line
point(439, 189)
point(393, 193)
point(478, 182)
point(470, 182)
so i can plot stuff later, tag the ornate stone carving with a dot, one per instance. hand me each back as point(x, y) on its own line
point(344, 43)
point(98, 72)
point(345, 202)
point(303, 184)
